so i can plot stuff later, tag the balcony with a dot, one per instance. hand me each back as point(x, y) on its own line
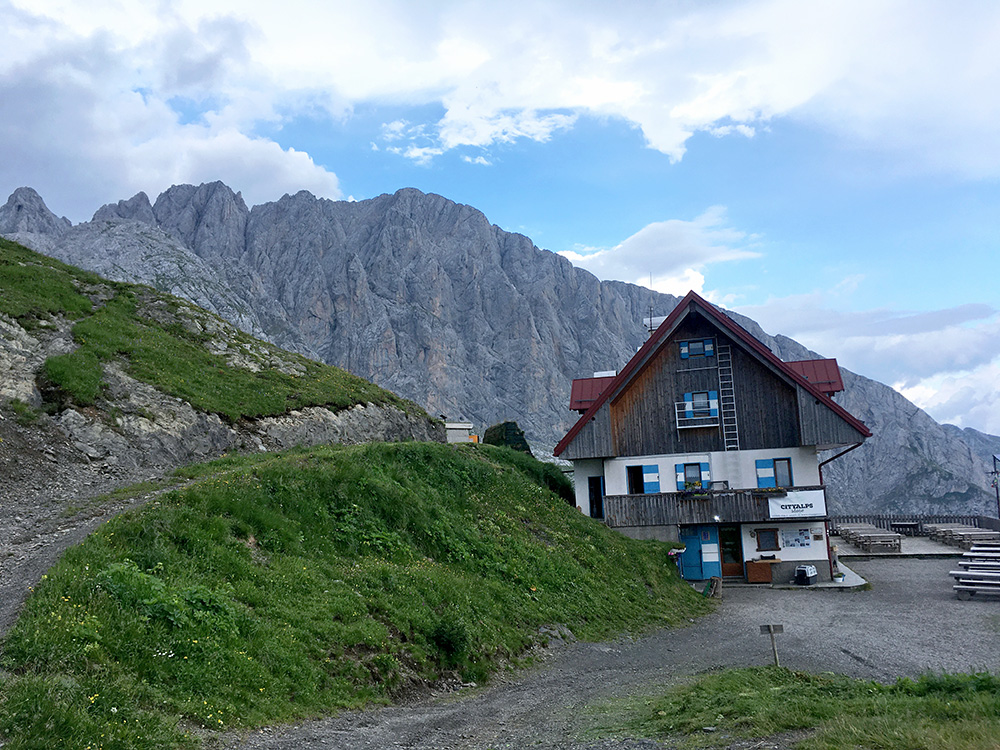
point(702, 413)
point(715, 506)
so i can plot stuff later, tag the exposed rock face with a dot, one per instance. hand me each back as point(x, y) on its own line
point(136, 208)
point(134, 426)
point(25, 211)
point(425, 297)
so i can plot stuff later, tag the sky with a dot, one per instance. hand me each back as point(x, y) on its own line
point(831, 170)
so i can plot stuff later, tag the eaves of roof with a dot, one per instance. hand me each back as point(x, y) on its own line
point(642, 357)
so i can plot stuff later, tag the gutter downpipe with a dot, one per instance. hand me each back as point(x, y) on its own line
point(829, 552)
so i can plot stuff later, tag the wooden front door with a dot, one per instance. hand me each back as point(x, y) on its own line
point(731, 547)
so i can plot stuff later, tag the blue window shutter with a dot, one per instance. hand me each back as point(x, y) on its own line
point(651, 478)
point(709, 348)
point(706, 475)
point(765, 472)
point(713, 403)
point(684, 350)
point(679, 476)
point(688, 406)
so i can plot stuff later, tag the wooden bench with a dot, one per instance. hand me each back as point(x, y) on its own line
point(969, 538)
point(937, 530)
point(970, 582)
point(980, 564)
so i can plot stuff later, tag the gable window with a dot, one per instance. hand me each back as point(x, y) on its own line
point(767, 540)
point(693, 476)
point(699, 400)
point(774, 472)
point(643, 480)
point(701, 406)
point(697, 348)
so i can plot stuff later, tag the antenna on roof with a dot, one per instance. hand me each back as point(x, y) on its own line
point(650, 303)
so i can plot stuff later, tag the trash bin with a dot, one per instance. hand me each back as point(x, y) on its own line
point(805, 575)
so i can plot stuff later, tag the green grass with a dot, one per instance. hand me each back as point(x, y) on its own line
point(35, 287)
point(288, 586)
point(958, 712)
point(176, 361)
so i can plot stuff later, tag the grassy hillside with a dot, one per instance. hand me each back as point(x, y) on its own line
point(283, 586)
point(833, 712)
point(161, 340)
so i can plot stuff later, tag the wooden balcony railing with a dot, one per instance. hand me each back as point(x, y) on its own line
point(715, 506)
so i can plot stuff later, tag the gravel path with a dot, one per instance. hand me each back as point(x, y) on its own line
point(909, 623)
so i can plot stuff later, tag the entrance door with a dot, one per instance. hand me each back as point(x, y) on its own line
point(690, 566)
point(701, 558)
point(731, 545)
point(595, 486)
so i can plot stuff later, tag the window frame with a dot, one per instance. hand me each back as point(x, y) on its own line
point(631, 472)
point(697, 470)
point(760, 533)
point(791, 480)
point(701, 408)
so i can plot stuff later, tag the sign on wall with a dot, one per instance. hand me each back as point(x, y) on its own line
point(808, 504)
point(795, 538)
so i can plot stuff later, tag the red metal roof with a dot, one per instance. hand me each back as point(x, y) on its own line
point(822, 373)
point(641, 358)
point(586, 391)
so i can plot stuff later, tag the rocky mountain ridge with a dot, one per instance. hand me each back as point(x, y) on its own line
point(426, 298)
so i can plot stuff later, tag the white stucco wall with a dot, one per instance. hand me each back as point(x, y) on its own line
point(739, 468)
point(582, 471)
point(817, 549)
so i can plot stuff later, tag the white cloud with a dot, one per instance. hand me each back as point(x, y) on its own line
point(967, 399)
point(946, 361)
point(480, 160)
point(88, 119)
point(909, 77)
point(674, 253)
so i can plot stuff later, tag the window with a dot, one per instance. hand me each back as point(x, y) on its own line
point(767, 540)
point(774, 472)
point(634, 476)
point(642, 479)
point(693, 476)
point(697, 348)
point(783, 472)
point(700, 404)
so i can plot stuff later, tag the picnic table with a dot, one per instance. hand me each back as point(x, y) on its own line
point(909, 528)
point(870, 537)
point(968, 536)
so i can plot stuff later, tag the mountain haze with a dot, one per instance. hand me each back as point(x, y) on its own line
point(425, 297)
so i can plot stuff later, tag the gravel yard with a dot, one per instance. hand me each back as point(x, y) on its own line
point(910, 622)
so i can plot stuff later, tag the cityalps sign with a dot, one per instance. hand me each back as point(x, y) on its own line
point(805, 504)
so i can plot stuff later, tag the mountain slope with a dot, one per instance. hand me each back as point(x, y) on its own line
point(136, 377)
point(425, 297)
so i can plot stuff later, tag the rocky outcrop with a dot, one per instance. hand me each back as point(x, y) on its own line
point(26, 213)
point(134, 428)
point(425, 297)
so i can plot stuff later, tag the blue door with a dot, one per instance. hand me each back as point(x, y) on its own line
point(701, 559)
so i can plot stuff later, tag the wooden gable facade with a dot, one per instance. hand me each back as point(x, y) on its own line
point(775, 407)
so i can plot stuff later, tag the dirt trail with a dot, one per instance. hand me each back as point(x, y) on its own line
point(908, 624)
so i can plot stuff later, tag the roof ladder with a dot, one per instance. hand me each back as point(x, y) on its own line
point(727, 398)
